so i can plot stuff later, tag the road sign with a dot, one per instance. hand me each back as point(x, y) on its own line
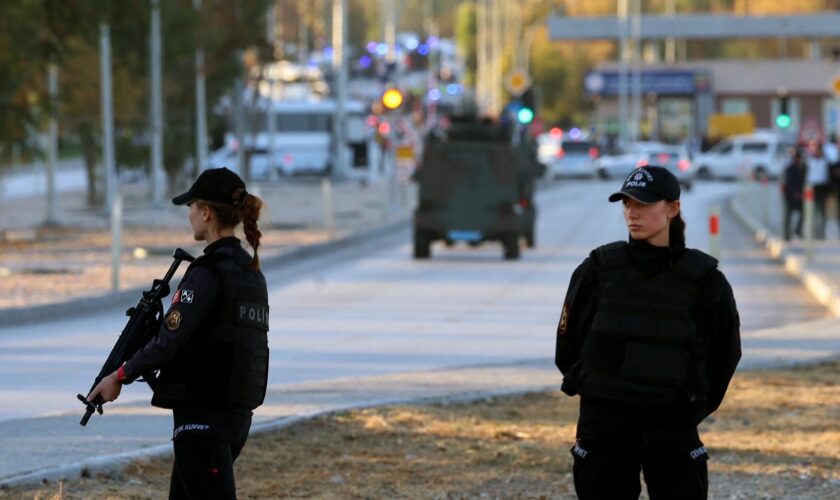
point(835, 85)
point(516, 82)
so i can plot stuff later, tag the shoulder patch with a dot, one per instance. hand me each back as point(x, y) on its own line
point(182, 297)
point(564, 321)
point(173, 320)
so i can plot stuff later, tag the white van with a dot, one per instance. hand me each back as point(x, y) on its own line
point(757, 155)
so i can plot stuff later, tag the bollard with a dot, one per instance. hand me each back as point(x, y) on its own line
point(116, 239)
point(808, 222)
point(765, 201)
point(329, 216)
point(714, 232)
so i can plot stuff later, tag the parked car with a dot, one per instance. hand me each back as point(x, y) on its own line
point(757, 155)
point(226, 157)
point(676, 159)
point(622, 161)
point(567, 155)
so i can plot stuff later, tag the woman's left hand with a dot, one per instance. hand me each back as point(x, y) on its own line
point(108, 388)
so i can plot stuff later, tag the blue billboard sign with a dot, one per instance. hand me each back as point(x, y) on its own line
point(668, 82)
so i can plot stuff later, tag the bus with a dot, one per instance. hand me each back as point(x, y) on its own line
point(302, 140)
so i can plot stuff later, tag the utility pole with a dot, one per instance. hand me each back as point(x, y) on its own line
point(670, 43)
point(200, 102)
point(339, 63)
point(271, 122)
point(482, 59)
point(389, 11)
point(107, 116)
point(52, 144)
point(303, 34)
point(157, 108)
point(496, 40)
point(622, 71)
point(636, 35)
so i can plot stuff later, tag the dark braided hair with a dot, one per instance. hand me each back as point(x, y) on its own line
point(246, 209)
point(676, 232)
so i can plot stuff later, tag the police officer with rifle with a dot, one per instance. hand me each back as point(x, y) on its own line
point(649, 339)
point(211, 348)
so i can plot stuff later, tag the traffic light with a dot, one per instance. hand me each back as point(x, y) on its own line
point(392, 99)
point(525, 115)
point(783, 119)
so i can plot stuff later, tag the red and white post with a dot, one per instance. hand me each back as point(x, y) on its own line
point(714, 232)
point(808, 222)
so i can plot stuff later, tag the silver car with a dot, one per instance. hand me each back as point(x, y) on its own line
point(674, 158)
point(641, 154)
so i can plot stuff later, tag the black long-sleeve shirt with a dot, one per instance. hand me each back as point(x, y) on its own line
point(716, 317)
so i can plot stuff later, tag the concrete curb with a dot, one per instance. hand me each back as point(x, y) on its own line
point(26, 315)
point(111, 464)
point(817, 284)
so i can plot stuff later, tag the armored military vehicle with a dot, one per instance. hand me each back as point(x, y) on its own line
point(476, 184)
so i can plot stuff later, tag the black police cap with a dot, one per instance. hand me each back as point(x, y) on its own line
point(214, 184)
point(649, 185)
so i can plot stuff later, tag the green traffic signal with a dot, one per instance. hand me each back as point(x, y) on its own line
point(783, 121)
point(525, 115)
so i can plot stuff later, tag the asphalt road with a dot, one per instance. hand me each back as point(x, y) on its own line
point(383, 312)
point(375, 311)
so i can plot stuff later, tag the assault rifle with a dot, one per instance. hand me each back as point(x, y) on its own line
point(144, 321)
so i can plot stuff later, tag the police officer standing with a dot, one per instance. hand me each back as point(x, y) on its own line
point(212, 349)
point(649, 338)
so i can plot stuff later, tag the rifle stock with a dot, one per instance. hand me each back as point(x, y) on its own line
point(143, 324)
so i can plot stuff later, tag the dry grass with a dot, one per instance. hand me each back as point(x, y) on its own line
point(69, 264)
point(775, 437)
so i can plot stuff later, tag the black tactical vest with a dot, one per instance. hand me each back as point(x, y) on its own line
point(643, 345)
point(225, 363)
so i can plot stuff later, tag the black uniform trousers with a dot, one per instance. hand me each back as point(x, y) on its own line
point(206, 445)
point(672, 469)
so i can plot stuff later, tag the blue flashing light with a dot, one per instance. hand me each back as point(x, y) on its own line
point(371, 47)
point(453, 89)
point(432, 42)
point(382, 49)
point(328, 52)
point(411, 43)
point(575, 134)
point(423, 49)
point(365, 61)
point(434, 95)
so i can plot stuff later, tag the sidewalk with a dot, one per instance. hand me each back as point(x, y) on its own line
point(49, 265)
point(759, 209)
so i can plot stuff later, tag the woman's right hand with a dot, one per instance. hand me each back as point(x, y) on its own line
point(108, 389)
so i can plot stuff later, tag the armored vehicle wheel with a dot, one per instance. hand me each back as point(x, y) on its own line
point(529, 238)
point(511, 245)
point(422, 244)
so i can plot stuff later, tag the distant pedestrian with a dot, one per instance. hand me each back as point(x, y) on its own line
point(818, 179)
point(649, 338)
point(793, 189)
point(212, 349)
point(832, 155)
